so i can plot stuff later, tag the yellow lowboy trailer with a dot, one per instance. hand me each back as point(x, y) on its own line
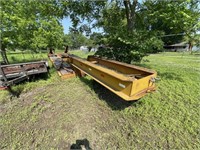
point(127, 81)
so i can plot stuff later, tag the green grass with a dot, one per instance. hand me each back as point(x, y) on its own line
point(27, 56)
point(54, 113)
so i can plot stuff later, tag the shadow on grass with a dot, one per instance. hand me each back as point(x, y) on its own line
point(196, 54)
point(171, 76)
point(15, 91)
point(80, 145)
point(114, 101)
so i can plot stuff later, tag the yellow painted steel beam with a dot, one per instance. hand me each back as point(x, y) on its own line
point(127, 81)
point(124, 68)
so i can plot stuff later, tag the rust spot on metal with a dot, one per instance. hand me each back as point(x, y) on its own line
point(102, 75)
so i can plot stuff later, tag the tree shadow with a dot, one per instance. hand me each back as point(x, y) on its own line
point(81, 145)
point(37, 77)
point(171, 76)
point(16, 89)
point(14, 92)
point(114, 101)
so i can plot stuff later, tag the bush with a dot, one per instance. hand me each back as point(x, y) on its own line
point(130, 48)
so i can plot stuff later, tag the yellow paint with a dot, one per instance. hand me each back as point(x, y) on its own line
point(127, 81)
point(118, 77)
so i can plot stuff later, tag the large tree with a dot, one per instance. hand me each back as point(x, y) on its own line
point(177, 18)
point(128, 38)
point(133, 29)
point(130, 8)
point(49, 34)
point(29, 24)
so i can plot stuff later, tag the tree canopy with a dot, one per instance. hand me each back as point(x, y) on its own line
point(174, 17)
point(75, 40)
point(28, 25)
point(131, 29)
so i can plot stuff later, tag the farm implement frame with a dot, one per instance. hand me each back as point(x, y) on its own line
point(15, 73)
point(130, 82)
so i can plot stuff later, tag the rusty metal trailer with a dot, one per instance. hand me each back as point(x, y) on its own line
point(15, 73)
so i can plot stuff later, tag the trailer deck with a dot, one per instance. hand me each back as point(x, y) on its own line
point(15, 73)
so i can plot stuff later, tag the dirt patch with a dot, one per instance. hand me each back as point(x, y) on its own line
point(56, 116)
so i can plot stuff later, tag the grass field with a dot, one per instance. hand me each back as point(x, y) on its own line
point(56, 114)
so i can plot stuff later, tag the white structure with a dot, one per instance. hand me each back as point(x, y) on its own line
point(84, 48)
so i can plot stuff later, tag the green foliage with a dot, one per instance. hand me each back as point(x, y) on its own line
point(29, 25)
point(131, 48)
point(122, 44)
point(67, 40)
point(81, 10)
point(35, 24)
point(97, 38)
point(49, 34)
point(146, 23)
point(173, 17)
point(76, 39)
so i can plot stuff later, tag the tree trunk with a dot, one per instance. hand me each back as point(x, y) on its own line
point(190, 47)
point(130, 14)
point(4, 56)
point(133, 12)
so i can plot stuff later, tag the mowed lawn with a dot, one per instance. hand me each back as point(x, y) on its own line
point(62, 114)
